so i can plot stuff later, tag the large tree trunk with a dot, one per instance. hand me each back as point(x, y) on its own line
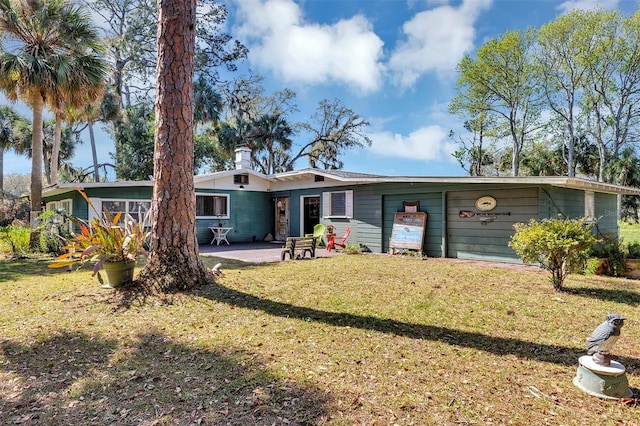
point(174, 263)
point(36, 168)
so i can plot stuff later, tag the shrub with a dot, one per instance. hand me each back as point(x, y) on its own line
point(591, 266)
point(633, 251)
point(54, 234)
point(14, 239)
point(351, 248)
point(614, 253)
point(560, 246)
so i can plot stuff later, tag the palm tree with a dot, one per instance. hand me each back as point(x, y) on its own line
point(22, 139)
point(41, 51)
point(230, 134)
point(207, 103)
point(90, 112)
point(65, 104)
point(8, 120)
point(271, 136)
point(84, 84)
point(66, 146)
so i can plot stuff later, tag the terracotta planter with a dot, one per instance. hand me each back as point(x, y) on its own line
point(119, 273)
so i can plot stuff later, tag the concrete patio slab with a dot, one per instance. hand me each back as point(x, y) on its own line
point(258, 252)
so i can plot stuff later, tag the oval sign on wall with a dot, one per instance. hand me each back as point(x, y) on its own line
point(486, 203)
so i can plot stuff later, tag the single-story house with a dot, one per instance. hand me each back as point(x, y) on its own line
point(466, 217)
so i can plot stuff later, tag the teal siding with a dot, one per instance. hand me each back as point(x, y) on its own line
point(430, 203)
point(294, 208)
point(364, 224)
point(368, 211)
point(606, 211)
point(294, 213)
point(487, 237)
point(252, 213)
point(251, 217)
point(80, 206)
point(563, 202)
point(133, 192)
point(375, 205)
point(374, 208)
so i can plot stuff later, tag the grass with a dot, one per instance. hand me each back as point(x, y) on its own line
point(347, 340)
point(629, 232)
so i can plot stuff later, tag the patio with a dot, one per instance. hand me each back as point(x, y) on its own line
point(258, 252)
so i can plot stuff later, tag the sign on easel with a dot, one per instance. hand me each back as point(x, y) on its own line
point(408, 231)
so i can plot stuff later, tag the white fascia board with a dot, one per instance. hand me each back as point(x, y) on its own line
point(306, 184)
point(225, 173)
point(65, 187)
point(224, 181)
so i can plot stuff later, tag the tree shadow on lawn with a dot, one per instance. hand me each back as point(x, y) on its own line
point(14, 267)
point(557, 354)
point(606, 294)
point(80, 379)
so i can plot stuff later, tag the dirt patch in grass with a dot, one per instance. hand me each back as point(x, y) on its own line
point(364, 340)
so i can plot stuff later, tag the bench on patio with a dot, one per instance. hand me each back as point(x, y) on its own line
point(302, 245)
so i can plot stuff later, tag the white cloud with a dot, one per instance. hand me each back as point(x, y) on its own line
point(570, 5)
point(346, 52)
point(429, 143)
point(436, 39)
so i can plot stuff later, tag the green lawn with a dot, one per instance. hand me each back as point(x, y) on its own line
point(629, 232)
point(348, 340)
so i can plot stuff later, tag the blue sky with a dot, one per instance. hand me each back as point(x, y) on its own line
point(391, 61)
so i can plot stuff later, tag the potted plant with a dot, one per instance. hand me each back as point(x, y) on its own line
point(611, 255)
point(106, 243)
point(632, 261)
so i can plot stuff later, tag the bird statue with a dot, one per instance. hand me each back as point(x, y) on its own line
point(603, 338)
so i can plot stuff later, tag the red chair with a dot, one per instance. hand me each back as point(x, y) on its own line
point(338, 241)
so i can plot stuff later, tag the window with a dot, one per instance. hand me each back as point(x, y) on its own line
point(242, 179)
point(61, 209)
point(135, 208)
point(212, 206)
point(138, 209)
point(337, 204)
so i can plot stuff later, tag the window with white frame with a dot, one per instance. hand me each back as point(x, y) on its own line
point(337, 204)
point(137, 209)
point(209, 206)
point(61, 209)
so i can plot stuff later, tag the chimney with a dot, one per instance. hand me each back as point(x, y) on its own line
point(243, 157)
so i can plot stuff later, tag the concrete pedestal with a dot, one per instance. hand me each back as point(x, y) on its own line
point(608, 382)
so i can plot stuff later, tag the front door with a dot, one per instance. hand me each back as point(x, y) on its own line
point(282, 218)
point(310, 213)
